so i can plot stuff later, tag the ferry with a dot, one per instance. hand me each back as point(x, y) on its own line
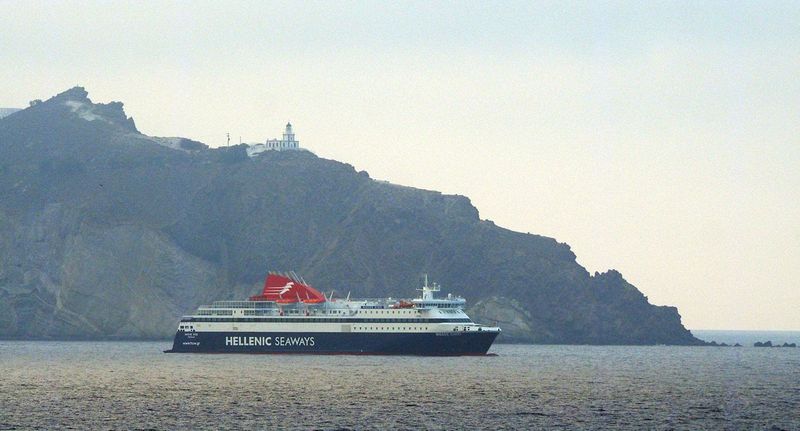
point(290, 316)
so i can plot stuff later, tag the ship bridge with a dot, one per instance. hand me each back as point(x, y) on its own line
point(428, 301)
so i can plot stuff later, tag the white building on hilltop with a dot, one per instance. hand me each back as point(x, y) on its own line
point(288, 143)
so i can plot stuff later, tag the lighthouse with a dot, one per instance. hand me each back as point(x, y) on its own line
point(288, 135)
point(287, 143)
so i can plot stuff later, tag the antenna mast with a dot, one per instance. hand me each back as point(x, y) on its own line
point(427, 291)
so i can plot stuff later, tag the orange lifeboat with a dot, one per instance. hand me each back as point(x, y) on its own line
point(286, 301)
point(314, 301)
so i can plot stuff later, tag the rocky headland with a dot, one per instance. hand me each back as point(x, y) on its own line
point(107, 233)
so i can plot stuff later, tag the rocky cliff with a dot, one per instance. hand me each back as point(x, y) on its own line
point(109, 233)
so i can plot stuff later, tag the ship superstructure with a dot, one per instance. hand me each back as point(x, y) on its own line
point(290, 316)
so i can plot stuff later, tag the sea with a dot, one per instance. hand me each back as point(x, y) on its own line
point(133, 385)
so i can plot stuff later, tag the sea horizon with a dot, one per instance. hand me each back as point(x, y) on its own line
point(745, 337)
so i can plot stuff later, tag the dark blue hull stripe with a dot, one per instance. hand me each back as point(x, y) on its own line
point(383, 343)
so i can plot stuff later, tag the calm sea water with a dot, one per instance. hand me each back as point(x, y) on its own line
point(132, 385)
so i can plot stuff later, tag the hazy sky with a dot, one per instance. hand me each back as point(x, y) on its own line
point(661, 139)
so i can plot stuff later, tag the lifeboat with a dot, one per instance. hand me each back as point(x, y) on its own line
point(286, 300)
point(314, 301)
point(403, 304)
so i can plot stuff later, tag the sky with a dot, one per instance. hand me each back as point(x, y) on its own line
point(658, 138)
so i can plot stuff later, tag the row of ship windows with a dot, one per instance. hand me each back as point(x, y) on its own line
point(218, 312)
point(319, 320)
point(382, 311)
point(271, 312)
point(393, 328)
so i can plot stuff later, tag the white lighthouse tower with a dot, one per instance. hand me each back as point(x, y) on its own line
point(288, 136)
